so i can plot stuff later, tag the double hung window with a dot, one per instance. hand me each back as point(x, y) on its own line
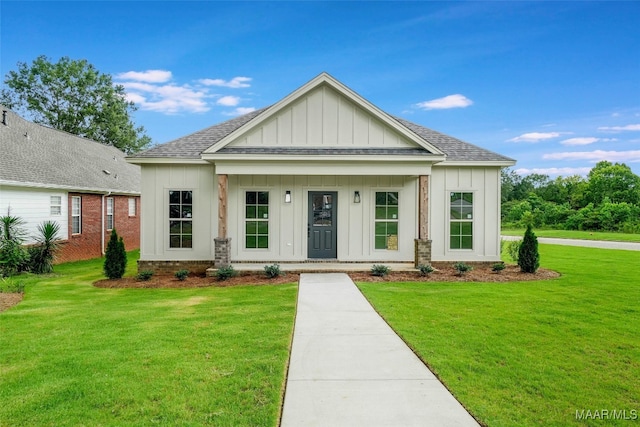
point(256, 219)
point(386, 220)
point(180, 219)
point(461, 220)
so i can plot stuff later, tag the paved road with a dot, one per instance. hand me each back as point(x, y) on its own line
point(628, 246)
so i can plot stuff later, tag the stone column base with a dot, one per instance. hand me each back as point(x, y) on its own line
point(222, 256)
point(422, 252)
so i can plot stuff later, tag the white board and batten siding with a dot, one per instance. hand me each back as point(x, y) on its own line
point(157, 181)
point(288, 221)
point(484, 183)
point(33, 205)
point(323, 118)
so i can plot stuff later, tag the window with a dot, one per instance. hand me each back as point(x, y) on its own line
point(257, 220)
point(76, 212)
point(180, 219)
point(56, 205)
point(386, 220)
point(461, 221)
point(132, 206)
point(110, 213)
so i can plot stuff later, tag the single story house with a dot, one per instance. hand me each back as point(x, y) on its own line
point(86, 187)
point(321, 175)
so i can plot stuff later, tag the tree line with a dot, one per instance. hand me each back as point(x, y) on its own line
point(607, 199)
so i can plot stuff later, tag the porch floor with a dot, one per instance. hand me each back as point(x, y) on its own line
point(320, 267)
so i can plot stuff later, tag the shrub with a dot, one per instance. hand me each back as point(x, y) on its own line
point(528, 256)
point(513, 247)
point(498, 267)
point(13, 257)
point(226, 272)
point(425, 269)
point(144, 275)
point(272, 271)
point(10, 286)
point(462, 268)
point(181, 274)
point(115, 257)
point(380, 270)
point(41, 255)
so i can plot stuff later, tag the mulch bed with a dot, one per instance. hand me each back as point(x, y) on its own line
point(446, 273)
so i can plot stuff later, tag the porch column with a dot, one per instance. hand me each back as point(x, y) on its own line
point(222, 257)
point(422, 243)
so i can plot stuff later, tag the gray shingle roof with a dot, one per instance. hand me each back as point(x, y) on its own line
point(191, 146)
point(37, 155)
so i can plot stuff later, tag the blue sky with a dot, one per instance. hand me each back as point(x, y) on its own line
point(555, 85)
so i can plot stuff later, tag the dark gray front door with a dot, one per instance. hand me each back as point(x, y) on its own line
point(322, 227)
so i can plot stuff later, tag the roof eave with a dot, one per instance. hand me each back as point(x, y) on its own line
point(485, 163)
point(70, 188)
point(319, 157)
point(165, 160)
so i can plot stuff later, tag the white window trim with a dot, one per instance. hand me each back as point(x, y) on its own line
point(245, 219)
point(168, 218)
point(450, 220)
point(78, 214)
point(110, 217)
point(374, 220)
point(133, 211)
point(57, 204)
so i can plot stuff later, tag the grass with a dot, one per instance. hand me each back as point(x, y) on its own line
point(73, 354)
point(530, 353)
point(574, 234)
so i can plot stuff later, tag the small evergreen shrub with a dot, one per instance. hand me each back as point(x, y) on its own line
point(226, 272)
point(498, 267)
point(115, 257)
point(181, 274)
point(144, 275)
point(528, 255)
point(380, 270)
point(272, 271)
point(425, 269)
point(462, 268)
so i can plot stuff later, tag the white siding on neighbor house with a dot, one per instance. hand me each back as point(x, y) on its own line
point(324, 118)
point(34, 207)
point(288, 221)
point(484, 183)
point(157, 180)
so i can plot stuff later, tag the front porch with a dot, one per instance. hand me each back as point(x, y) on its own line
point(317, 267)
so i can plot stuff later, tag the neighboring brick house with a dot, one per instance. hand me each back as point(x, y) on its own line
point(86, 187)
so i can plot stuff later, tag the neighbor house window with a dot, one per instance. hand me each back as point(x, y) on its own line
point(76, 215)
point(256, 220)
point(180, 219)
point(110, 213)
point(386, 220)
point(461, 221)
point(56, 205)
point(132, 206)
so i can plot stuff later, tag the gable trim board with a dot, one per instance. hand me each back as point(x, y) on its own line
point(321, 138)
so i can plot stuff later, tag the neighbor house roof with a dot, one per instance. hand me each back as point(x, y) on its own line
point(34, 155)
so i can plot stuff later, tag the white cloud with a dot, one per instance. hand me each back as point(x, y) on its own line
point(579, 141)
point(234, 83)
point(169, 99)
point(619, 128)
point(150, 76)
point(536, 136)
point(629, 156)
point(239, 111)
point(450, 101)
point(154, 90)
point(554, 171)
point(228, 101)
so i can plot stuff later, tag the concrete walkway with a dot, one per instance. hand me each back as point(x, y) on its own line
point(348, 367)
point(603, 244)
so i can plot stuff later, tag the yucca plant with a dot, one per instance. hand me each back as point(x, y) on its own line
point(13, 257)
point(42, 255)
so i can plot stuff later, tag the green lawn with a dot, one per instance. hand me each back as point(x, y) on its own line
point(574, 234)
point(530, 353)
point(72, 354)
